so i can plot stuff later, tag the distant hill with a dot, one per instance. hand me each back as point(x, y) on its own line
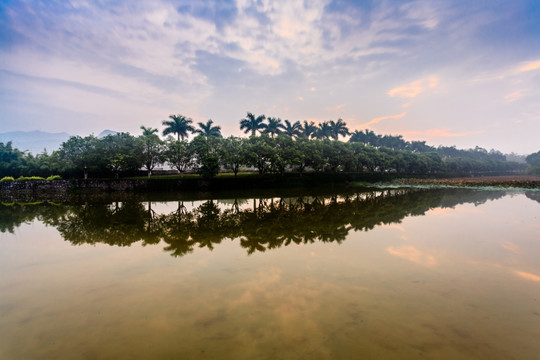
point(34, 141)
point(106, 132)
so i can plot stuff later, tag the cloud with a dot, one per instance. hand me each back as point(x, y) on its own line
point(414, 88)
point(335, 108)
point(530, 66)
point(381, 118)
point(513, 96)
point(437, 133)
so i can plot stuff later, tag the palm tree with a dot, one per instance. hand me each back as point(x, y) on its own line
point(252, 123)
point(273, 127)
point(208, 130)
point(358, 136)
point(338, 128)
point(309, 129)
point(292, 129)
point(148, 131)
point(179, 125)
point(323, 131)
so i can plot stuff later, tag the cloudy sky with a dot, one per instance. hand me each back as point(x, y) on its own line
point(462, 73)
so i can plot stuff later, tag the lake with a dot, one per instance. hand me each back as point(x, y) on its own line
point(370, 274)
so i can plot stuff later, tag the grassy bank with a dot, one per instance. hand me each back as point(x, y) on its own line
point(519, 181)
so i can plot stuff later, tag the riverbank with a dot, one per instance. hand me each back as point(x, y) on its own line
point(520, 181)
point(60, 190)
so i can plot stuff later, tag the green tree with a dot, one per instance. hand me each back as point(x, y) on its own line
point(252, 124)
point(309, 129)
point(232, 153)
point(179, 125)
point(11, 160)
point(120, 153)
point(179, 154)
point(81, 154)
point(151, 150)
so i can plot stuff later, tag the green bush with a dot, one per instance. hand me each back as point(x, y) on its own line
point(54, 177)
point(27, 178)
point(7, 178)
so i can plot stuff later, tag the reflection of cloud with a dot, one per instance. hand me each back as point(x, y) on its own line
point(414, 88)
point(412, 254)
point(510, 246)
point(394, 226)
point(528, 276)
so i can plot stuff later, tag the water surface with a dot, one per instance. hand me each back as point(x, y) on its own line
point(390, 274)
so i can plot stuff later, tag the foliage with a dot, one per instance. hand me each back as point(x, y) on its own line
point(29, 178)
point(54, 177)
point(7, 178)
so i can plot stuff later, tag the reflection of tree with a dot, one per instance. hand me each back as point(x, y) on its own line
point(270, 223)
point(533, 195)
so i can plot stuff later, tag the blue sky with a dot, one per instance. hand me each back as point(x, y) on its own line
point(462, 73)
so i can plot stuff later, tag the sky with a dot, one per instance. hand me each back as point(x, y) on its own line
point(463, 73)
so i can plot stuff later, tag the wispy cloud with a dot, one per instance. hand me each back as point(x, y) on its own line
point(530, 66)
point(513, 96)
point(437, 133)
point(414, 88)
point(381, 118)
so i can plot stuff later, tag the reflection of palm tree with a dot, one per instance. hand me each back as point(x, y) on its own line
point(252, 124)
point(179, 125)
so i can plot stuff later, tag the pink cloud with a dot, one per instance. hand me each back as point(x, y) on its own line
point(530, 66)
point(513, 96)
point(381, 118)
point(413, 254)
point(436, 133)
point(414, 88)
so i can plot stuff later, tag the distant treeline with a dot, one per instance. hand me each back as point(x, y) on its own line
point(272, 147)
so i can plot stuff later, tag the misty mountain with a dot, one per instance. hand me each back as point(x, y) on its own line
point(34, 141)
point(106, 132)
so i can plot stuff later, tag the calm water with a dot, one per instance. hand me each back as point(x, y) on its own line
point(395, 274)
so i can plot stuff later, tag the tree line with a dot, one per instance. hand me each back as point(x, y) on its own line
point(273, 146)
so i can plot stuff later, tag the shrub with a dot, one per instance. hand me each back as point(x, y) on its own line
point(27, 178)
point(54, 177)
point(7, 178)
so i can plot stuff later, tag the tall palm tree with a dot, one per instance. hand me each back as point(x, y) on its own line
point(252, 123)
point(338, 128)
point(292, 129)
point(274, 126)
point(323, 131)
point(309, 129)
point(208, 130)
point(148, 131)
point(179, 125)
